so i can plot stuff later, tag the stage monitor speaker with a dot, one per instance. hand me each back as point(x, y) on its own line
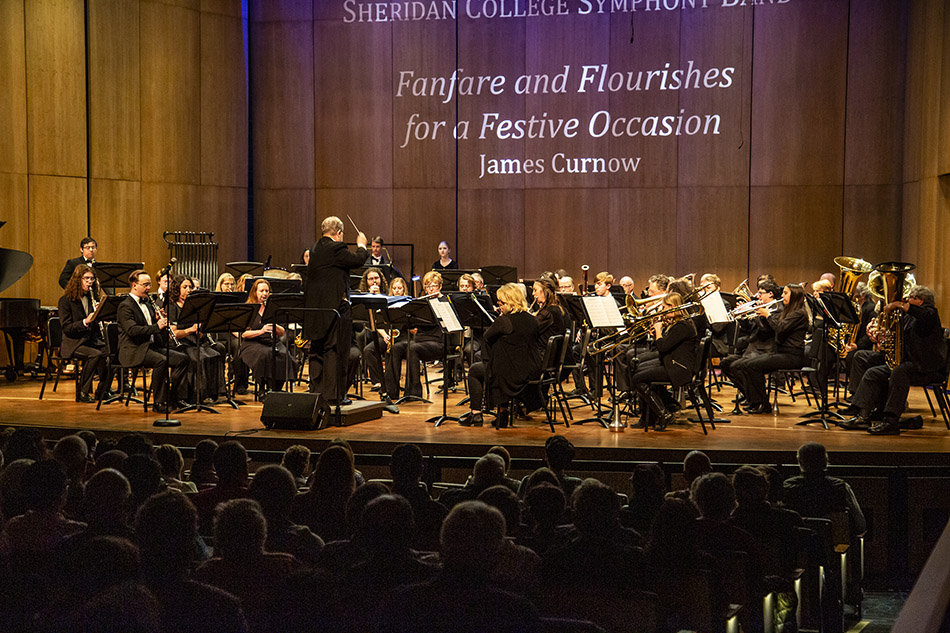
point(296, 411)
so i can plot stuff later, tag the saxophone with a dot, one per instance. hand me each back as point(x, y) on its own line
point(890, 282)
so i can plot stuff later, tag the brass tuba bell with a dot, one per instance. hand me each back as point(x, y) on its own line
point(890, 282)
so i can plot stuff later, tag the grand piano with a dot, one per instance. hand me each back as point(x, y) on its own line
point(19, 318)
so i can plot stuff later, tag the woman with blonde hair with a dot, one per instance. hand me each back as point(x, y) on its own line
point(257, 343)
point(511, 358)
point(225, 283)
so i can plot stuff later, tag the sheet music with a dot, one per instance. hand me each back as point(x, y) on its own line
point(603, 311)
point(715, 308)
point(446, 314)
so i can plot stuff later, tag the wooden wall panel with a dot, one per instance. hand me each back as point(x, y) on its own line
point(589, 36)
point(116, 219)
point(115, 131)
point(230, 8)
point(429, 49)
point(171, 92)
point(57, 223)
point(652, 48)
point(872, 222)
point(223, 101)
point(485, 49)
point(13, 96)
point(641, 234)
point(795, 232)
point(224, 210)
point(167, 207)
point(713, 233)
point(490, 222)
point(56, 87)
point(720, 41)
point(371, 209)
point(943, 132)
point(356, 113)
point(565, 228)
point(425, 217)
point(283, 225)
point(798, 94)
point(282, 85)
point(283, 10)
point(15, 234)
point(875, 114)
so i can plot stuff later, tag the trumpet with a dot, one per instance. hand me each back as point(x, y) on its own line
point(748, 310)
point(638, 328)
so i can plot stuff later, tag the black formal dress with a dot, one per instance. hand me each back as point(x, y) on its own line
point(258, 354)
point(328, 280)
point(452, 265)
point(552, 321)
point(210, 354)
point(82, 342)
point(512, 357)
point(141, 342)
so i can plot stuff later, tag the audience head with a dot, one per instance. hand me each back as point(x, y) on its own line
point(170, 459)
point(26, 443)
point(472, 534)
point(674, 527)
point(751, 485)
point(274, 488)
point(558, 453)
point(596, 508)
point(489, 471)
point(405, 466)
point(696, 463)
point(135, 443)
point(44, 486)
point(240, 529)
point(506, 501)
point(11, 488)
point(812, 458)
point(714, 496)
point(145, 476)
point(776, 483)
point(89, 437)
point(358, 501)
point(545, 504)
point(72, 452)
point(503, 453)
point(334, 473)
point(386, 524)
point(165, 529)
point(542, 476)
point(648, 483)
point(111, 459)
point(296, 459)
point(230, 462)
point(107, 496)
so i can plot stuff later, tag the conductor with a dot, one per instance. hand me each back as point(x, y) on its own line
point(328, 275)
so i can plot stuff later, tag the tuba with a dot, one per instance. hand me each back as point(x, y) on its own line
point(890, 282)
point(743, 291)
point(852, 269)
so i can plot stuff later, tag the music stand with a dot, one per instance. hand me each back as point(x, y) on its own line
point(244, 268)
point(197, 309)
point(498, 275)
point(369, 305)
point(113, 275)
point(445, 315)
point(405, 317)
point(107, 312)
point(603, 313)
point(474, 311)
point(229, 318)
point(280, 286)
point(283, 308)
point(837, 310)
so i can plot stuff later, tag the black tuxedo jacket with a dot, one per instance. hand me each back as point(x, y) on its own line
point(135, 333)
point(75, 332)
point(328, 281)
point(68, 270)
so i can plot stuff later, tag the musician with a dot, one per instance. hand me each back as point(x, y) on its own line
point(81, 338)
point(709, 283)
point(883, 392)
point(305, 258)
point(142, 341)
point(163, 277)
point(241, 284)
point(513, 357)
point(479, 282)
point(676, 341)
point(445, 262)
point(396, 289)
point(565, 284)
point(787, 352)
point(377, 255)
point(861, 342)
point(225, 283)
point(197, 349)
point(426, 345)
point(552, 317)
point(466, 283)
point(328, 276)
point(657, 284)
point(602, 283)
point(820, 286)
point(373, 282)
point(87, 249)
point(257, 343)
point(626, 282)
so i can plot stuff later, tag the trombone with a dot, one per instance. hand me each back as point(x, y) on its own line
point(638, 327)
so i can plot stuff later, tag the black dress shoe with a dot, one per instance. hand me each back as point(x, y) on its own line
point(85, 397)
point(472, 419)
point(665, 420)
point(759, 409)
point(857, 423)
point(889, 426)
point(161, 408)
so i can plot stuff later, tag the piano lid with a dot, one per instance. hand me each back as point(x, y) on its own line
point(13, 265)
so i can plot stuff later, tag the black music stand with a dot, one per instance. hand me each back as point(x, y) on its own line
point(498, 275)
point(614, 422)
point(113, 275)
point(405, 317)
point(452, 276)
point(108, 311)
point(575, 308)
point(444, 314)
point(197, 309)
point(474, 311)
point(370, 305)
point(280, 286)
point(284, 308)
point(244, 268)
point(836, 310)
point(230, 318)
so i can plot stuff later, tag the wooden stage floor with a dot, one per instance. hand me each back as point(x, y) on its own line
point(746, 439)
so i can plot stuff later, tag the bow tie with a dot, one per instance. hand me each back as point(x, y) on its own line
point(144, 301)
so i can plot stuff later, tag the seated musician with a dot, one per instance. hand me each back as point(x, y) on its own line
point(603, 281)
point(629, 287)
point(676, 341)
point(397, 288)
point(142, 341)
point(754, 337)
point(87, 249)
point(479, 282)
point(82, 339)
point(466, 283)
point(565, 284)
point(373, 282)
point(377, 255)
point(552, 317)
point(789, 327)
point(820, 286)
point(512, 358)
point(882, 394)
point(426, 345)
point(257, 343)
point(861, 340)
point(210, 355)
point(225, 283)
point(657, 284)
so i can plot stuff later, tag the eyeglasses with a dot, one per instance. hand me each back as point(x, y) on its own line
point(88, 278)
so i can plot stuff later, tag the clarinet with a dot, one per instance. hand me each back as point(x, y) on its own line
point(158, 310)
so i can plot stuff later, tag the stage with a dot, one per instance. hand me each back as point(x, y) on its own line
point(745, 439)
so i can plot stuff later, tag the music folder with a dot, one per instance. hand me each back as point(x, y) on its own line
point(603, 312)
